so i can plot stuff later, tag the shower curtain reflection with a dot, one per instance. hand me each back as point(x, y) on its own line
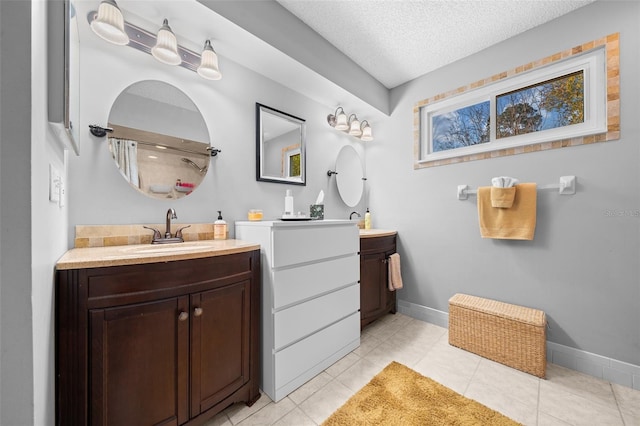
point(125, 154)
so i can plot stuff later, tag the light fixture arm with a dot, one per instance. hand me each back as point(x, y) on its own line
point(331, 118)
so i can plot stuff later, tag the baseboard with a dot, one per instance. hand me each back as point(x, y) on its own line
point(599, 366)
point(424, 313)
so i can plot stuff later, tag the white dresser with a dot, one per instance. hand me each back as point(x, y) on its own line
point(310, 298)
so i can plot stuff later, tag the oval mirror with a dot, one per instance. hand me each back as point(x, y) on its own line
point(350, 176)
point(160, 141)
point(280, 146)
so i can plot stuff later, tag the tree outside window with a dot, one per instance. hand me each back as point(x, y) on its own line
point(554, 103)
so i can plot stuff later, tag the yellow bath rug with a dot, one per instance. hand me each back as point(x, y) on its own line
point(400, 396)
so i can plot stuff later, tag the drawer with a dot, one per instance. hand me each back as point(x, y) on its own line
point(293, 245)
point(117, 285)
point(297, 284)
point(378, 244)
point(302, 320)
point(306, 354)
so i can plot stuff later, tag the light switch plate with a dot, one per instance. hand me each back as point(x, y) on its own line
point(54, 184)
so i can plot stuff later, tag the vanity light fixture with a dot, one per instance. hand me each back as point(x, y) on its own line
point(209, 63)
point(338, 120)
point(350, 125)
point(109, 24)
point(367, 134)
point(166, 47)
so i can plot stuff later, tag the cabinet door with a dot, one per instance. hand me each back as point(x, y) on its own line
point(373, 275)
point(220, 346)
point(139, 363)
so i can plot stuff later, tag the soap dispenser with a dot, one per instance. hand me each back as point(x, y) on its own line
point(288, 203)
point(220, 228)
point(367, 219)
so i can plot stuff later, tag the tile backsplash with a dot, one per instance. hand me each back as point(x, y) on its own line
point(122, 235)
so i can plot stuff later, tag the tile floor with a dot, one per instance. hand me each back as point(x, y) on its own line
point(565, 397)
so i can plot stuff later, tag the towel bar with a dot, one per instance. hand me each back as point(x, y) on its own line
point(566, 186)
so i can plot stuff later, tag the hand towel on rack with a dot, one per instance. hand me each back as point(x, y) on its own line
point(503, 191)
point(503, 197)
point(504, 182)
point(515, 223)
point(395, 277)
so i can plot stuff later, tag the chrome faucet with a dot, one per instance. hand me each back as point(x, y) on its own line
point(157, 236)
point(171, 214)
point(352, 213)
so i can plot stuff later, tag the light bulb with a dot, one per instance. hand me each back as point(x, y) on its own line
point(367, 134)
point(354, 126)
point(341, 122)
point(166, 48)
point(209, 63)
point(108, 23)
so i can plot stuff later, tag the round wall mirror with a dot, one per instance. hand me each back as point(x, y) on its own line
point(350, 176)
point(160, 141)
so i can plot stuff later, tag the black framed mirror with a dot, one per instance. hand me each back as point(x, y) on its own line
point(280, 147)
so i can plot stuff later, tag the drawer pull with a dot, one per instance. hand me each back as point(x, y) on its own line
point(197, 312)
point(183, 316)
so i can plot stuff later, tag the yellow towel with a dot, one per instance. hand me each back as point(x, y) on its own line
point(515, 223)
point(502, 197)
point(395, 278)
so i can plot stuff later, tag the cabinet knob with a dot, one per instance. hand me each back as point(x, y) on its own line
point(183, 316)
point(197, 312)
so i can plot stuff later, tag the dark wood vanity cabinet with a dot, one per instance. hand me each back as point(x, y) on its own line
point(375, 298)
point(167, 343)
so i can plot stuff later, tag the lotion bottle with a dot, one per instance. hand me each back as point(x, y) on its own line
point(288, 203)
point(220, 228)
point(367, 219)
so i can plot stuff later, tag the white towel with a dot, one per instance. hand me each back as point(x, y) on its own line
point(395, 277)
point(504, 182)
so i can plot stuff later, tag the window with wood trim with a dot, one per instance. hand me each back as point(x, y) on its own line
point(570, 98)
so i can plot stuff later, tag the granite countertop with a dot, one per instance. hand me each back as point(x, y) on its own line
point(95, 257)
point(372, 233)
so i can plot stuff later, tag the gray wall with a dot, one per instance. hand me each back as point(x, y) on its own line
point(16, 373)
point(99, 195)
point(33, 230)
point(582, 267)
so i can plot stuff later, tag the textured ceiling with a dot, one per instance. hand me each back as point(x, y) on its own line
point(398, 40)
